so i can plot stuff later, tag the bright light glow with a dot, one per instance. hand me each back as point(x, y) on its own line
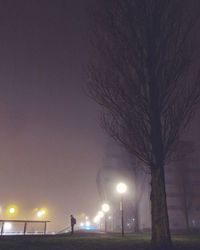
point(12, 210)
point(96, 219)
point(100, 214)
point(81, 224)
point(7, 226)
point(86, 217)
point(105, 207)
point(87, 223)
point(121, 188)
point(109, 217)
point(41, 213)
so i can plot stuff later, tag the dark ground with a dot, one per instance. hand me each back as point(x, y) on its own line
point(93, 242)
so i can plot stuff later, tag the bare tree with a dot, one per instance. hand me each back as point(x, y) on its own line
point(145, 77)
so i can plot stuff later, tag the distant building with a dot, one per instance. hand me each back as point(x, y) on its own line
point(182, 186)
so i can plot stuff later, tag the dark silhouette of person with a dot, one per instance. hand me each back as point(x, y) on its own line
point(73, 223)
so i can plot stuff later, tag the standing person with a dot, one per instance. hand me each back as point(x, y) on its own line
point(73, 222)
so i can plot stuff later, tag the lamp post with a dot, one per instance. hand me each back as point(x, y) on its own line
point(12, 210)
point(121, 189)
point(100, 215)
point(105, 208)
point(41, 213)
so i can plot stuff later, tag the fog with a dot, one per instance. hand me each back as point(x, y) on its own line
point(51, 144)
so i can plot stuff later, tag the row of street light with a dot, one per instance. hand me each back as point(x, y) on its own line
point(13, 211)
point(121, 189)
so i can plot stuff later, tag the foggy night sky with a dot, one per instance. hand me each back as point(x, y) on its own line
point(51, 145)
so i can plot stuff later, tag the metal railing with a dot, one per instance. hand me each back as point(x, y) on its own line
point(25, 224)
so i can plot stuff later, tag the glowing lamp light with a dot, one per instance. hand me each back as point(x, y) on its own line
point(100, 214)
point(41, 213)
point(121, 188)
point(105, 207)
point(7, 226)
point(96, 219)
point(12, 210)
point(87, 223)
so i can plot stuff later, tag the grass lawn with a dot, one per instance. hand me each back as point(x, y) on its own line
point(93, 242)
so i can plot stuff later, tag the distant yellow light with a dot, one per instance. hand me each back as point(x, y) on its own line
point(12, 210)
point(41, 213)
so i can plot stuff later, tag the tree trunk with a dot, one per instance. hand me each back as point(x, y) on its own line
point(160, 222)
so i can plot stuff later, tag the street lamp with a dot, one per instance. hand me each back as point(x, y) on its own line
point(105, 208)
point(96, 219)
point(41, 213)
point(121, 189)
point(100, 215)
point(12, 210)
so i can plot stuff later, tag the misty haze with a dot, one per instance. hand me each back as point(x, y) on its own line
point(99, 131)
